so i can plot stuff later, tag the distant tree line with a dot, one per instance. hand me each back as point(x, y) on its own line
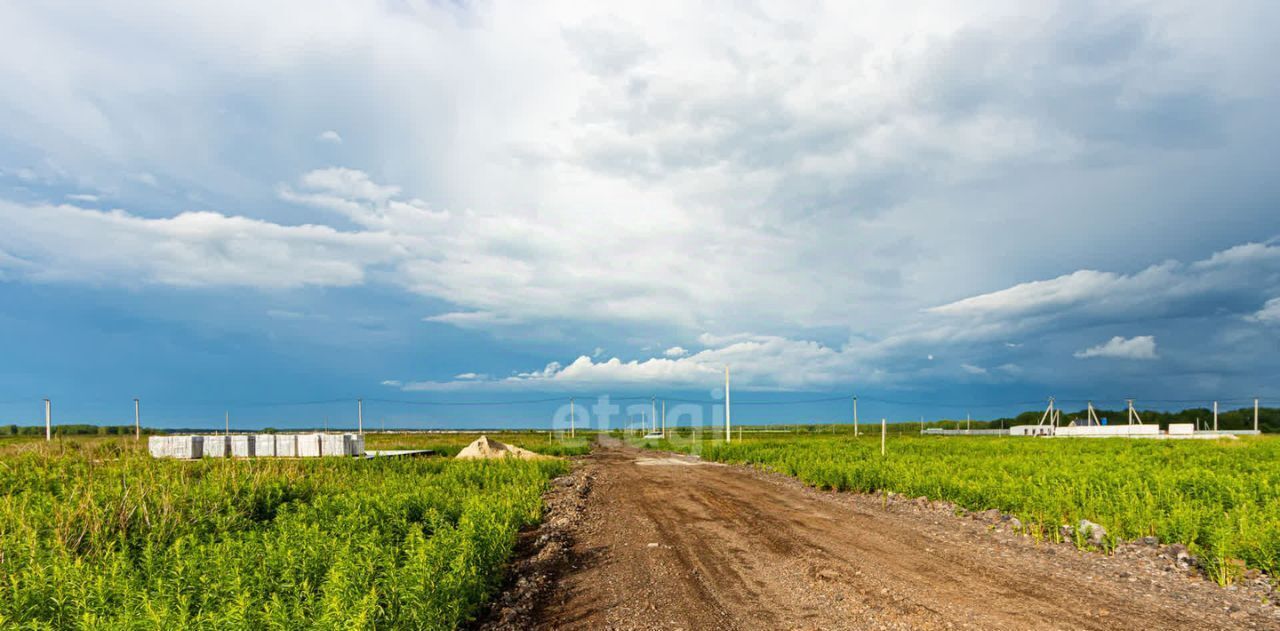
point(71, 430)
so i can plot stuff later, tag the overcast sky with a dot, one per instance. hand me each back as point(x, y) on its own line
point(213, 202)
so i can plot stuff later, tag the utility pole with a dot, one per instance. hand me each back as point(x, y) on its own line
point(48, 428)
point(1048, 414)
point(137, 421)
point(728, 432)
point(571, 419)
point(1215, 416)
point(653, 413)
point(968, 423)
point(855, 416)
point(664, 419)
point(360, 416)
point(1255, 414)
point(883, 428)
point(228, 419)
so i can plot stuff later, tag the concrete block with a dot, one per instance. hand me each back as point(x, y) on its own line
point(217, 446)
point(309, 445)
point(242, 446)
point(185, 447)
point(264, 445)
point(286, 446)
point(334, 445)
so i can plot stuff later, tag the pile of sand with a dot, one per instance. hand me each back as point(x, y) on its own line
point(484, 448)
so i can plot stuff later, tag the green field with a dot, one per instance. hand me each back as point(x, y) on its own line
point(96, 534)
point(1222, 498)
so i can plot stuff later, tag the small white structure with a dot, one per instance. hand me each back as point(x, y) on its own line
point(185, 447)
point(217, 446)
point(1031, 430)
point(1097, 431)
point(242, 446)
point(1181, 429)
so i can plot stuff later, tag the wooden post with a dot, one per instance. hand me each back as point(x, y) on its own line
point(728, 432)
point(883, 428)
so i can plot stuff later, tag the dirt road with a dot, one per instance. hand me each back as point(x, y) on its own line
point(674, 543)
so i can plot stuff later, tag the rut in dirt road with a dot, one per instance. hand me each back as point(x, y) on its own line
point(675, 543)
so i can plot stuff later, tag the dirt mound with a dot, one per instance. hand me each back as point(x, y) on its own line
point(484, 448)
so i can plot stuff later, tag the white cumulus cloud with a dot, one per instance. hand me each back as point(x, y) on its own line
point(1268, 314)
point(1139, 347)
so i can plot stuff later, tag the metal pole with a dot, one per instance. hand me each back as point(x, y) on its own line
point(883, 428)
point(137, 421)
point(360, 416)
point(728, 432)
point(855, 417)
point(1215, 416)
point(48, 428)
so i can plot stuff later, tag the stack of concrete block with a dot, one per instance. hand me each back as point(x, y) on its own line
point(264, 445)
point(335, 445)
point(286, 445)
point(242, 446)
point(217, 446)
point(309, 445)
point(186, 447)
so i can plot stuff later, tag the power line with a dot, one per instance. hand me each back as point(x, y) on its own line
point(470, 403)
